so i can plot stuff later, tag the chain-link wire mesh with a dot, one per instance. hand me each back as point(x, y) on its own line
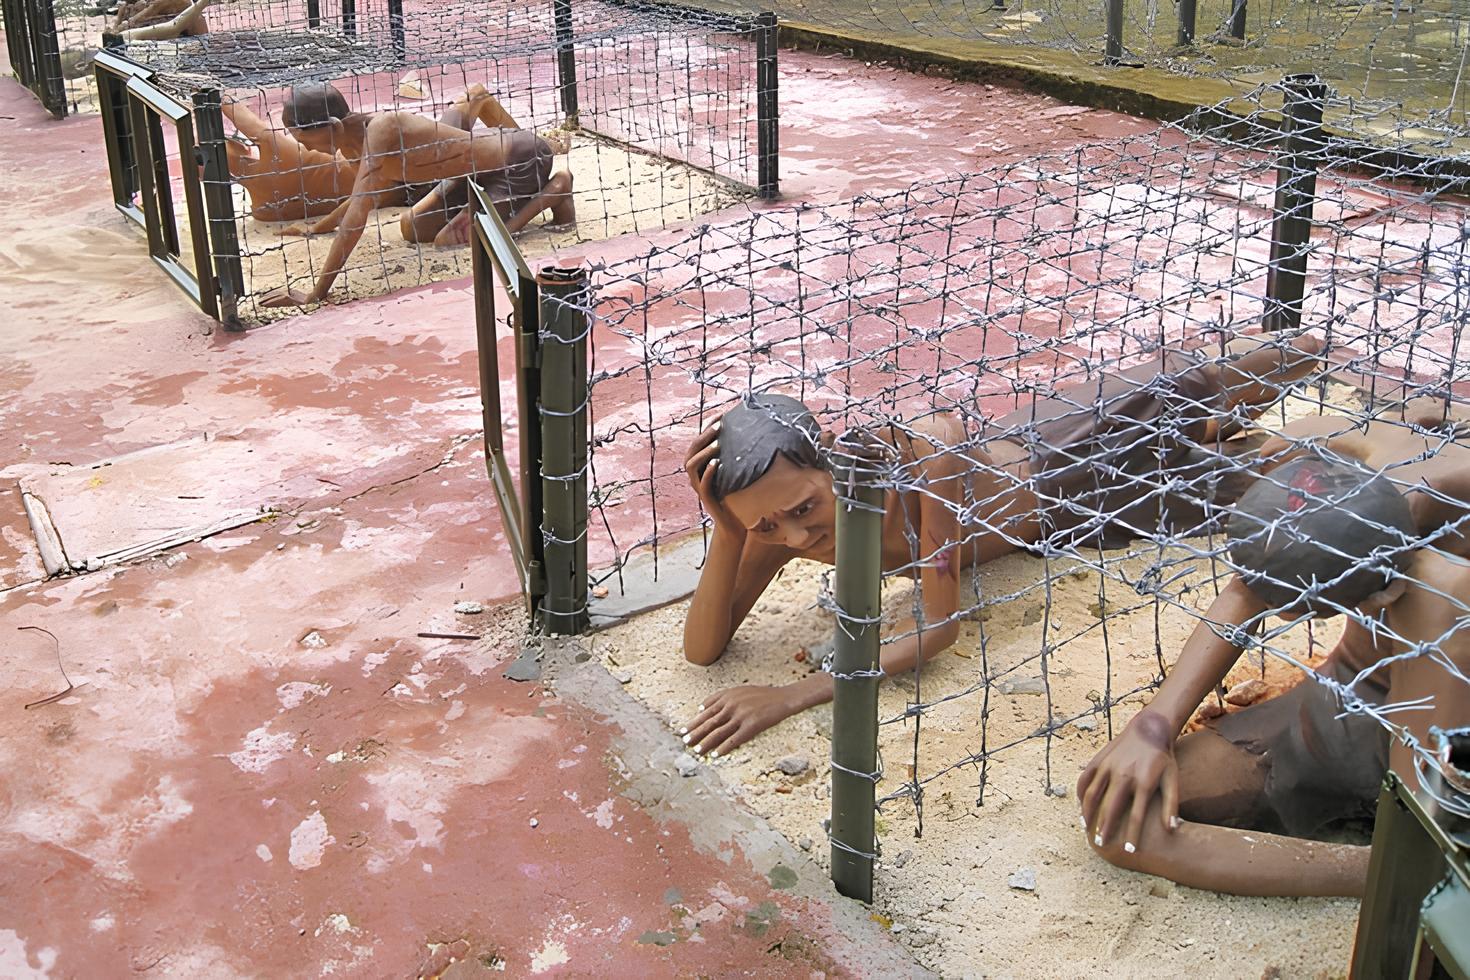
point(974, 320)
point(649, 114)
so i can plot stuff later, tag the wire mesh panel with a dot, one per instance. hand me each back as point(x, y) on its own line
point(1063, 364)
point(1400, 68)
point(611, 119)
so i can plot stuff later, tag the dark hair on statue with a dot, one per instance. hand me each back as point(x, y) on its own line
point(755, 432)
point(313, 104)
point(1319, 534)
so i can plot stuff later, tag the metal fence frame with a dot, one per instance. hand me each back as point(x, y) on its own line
point(132, 104)
point(35, 58)
point(545, 519)
point(1417, 900)
point(133, 113)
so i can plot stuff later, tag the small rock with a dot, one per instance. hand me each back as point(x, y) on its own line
point(902, 858)
point(805, 843)
point(1088, 724)
point(313, 639)
point(599, 592)
point(1209, 710)
point(794, 765)
point(622, 675)
point(468, 608)
point(1161, 889)
point(1058, 790)
point(896, 927)
point(535, 823)
point(686, 765)
point(1023, 879)
point(1024, 685)
point(1247, 692)
point(525, 667)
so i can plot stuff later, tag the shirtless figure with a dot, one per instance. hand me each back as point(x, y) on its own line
point(1079, 467)
point(398, 148)
point(1228, 807)
point(285, 180)
point(147, 20)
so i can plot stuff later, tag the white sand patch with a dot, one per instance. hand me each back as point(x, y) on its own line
point(551, 954)
point(309, 842)
point(263, 748)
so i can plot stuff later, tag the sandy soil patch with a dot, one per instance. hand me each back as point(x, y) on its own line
point(947, 893)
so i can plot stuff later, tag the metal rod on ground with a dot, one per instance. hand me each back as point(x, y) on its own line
point(1113, 51)
point(1237, 20)
point(565, 327)
point(1187, 16)
point(219, 206)
point(859, 582)
point(395, 27)
point(1296, 189)
point(566, 60)
point(768, 117)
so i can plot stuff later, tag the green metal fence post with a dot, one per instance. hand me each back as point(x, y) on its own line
point(219, 206)
point(1237, 20)
point(1296, 191)
point(565, 325)
point(855, 673)
point(768, 115)
point(1187, 18)
point(50, 86)
point(1113, 45)
point(566, 60)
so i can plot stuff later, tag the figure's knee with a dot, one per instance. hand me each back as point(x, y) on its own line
point(408, 227)
point(1114, 852)
point(560, 183)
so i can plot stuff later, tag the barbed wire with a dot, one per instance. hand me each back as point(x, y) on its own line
point(662, 123)
point(997, 302)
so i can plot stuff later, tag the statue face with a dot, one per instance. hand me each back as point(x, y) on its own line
point(790, 505)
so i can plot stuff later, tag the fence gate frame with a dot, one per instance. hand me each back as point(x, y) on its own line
point(546, 517)
point(133, 112)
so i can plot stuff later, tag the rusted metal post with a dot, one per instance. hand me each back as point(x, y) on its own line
point(566, 60)
point(767, 108)
point(855, 673)
point(1296, 190)
point(565, 327)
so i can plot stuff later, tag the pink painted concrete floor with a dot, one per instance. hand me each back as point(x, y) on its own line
point(263, 770)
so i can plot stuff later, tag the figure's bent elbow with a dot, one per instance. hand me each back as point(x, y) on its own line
point(702, 655)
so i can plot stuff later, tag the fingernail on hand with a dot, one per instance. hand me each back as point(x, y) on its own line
point(686, 738)
point(1174, 822)
point(715, 754)
point(1097, 839)
point(701, 707)
point(1128, 847)
point(684, 731)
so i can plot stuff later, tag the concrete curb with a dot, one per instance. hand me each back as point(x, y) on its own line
point(716, 822)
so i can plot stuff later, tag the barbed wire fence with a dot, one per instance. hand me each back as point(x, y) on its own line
point(994, 303)
point(653, 116)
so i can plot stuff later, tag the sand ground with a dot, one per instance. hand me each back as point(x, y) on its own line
point(617, 191)
point(946, 894)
